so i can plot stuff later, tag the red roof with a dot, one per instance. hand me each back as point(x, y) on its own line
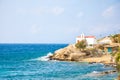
point(89, 36)
point(86, 36)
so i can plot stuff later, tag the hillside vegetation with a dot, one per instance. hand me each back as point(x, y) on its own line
point(116, 38)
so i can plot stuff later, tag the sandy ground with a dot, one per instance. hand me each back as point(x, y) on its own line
point(103, 59)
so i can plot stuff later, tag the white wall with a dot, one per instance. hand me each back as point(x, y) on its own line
point(90, 41)
point(105, 41)
point(79, 39)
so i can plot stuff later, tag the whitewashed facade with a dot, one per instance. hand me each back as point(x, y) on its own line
point(91, 40)
point(105, 40)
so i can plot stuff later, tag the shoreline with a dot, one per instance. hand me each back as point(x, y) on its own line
point(88, 55)
point(105, 59)
point(90, 60)
point(71, 53)
point(99, 60)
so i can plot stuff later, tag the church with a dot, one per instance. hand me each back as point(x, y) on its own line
point(91, 40)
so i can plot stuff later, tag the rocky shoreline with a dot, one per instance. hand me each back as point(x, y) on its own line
point(71, 53)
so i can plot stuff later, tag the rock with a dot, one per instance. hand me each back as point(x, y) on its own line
point(95, 73)
point(69, 53)
point(92, 62)
point(110, 64)
point(77, 56)
point(108, 72)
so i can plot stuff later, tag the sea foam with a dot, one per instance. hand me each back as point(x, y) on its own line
point(43, 58)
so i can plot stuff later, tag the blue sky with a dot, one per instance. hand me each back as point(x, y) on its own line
point(57, 21)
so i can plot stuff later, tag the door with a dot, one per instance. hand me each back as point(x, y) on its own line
point(109, 49)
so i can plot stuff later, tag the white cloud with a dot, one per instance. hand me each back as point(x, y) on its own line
point(98, 29)
point(112, 11)
point(80, 14)
point(40, 11)
point(33, 11)
point(37, 11)
point(105, 29)
point(57, 10)
point(108, 12)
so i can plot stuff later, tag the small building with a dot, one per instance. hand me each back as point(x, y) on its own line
point(105, 40)
point(80, 38)
point(91, 40)
point(108, 45)
point(111, 47)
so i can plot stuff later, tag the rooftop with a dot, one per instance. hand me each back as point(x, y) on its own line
point(86, 36)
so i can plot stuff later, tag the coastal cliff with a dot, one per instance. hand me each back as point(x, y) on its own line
point(71, 53)
point(102, 52)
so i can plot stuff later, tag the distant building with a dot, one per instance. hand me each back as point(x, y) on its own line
point(109, 48)
point(80, 38)
point(91, 40)
point(105, 40)
point(108, 45)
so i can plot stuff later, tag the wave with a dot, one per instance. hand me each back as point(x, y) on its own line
point(93, 74)
point(43, 58)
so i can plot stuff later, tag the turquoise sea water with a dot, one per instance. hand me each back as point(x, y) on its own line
point(27, 62)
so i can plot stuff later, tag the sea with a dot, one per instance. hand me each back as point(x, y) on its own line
point(31, 62)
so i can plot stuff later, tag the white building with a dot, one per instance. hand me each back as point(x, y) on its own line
point(105, 40)
point(91, 40)
point(80, 38)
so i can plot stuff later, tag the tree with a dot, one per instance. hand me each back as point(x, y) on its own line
point(116, 38)
point(117, 59)
point(81, 45)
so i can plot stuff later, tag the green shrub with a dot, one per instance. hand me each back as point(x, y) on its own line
point(116, 38)
point(81, 45)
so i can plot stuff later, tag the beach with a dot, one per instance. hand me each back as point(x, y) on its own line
point(106, 59)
